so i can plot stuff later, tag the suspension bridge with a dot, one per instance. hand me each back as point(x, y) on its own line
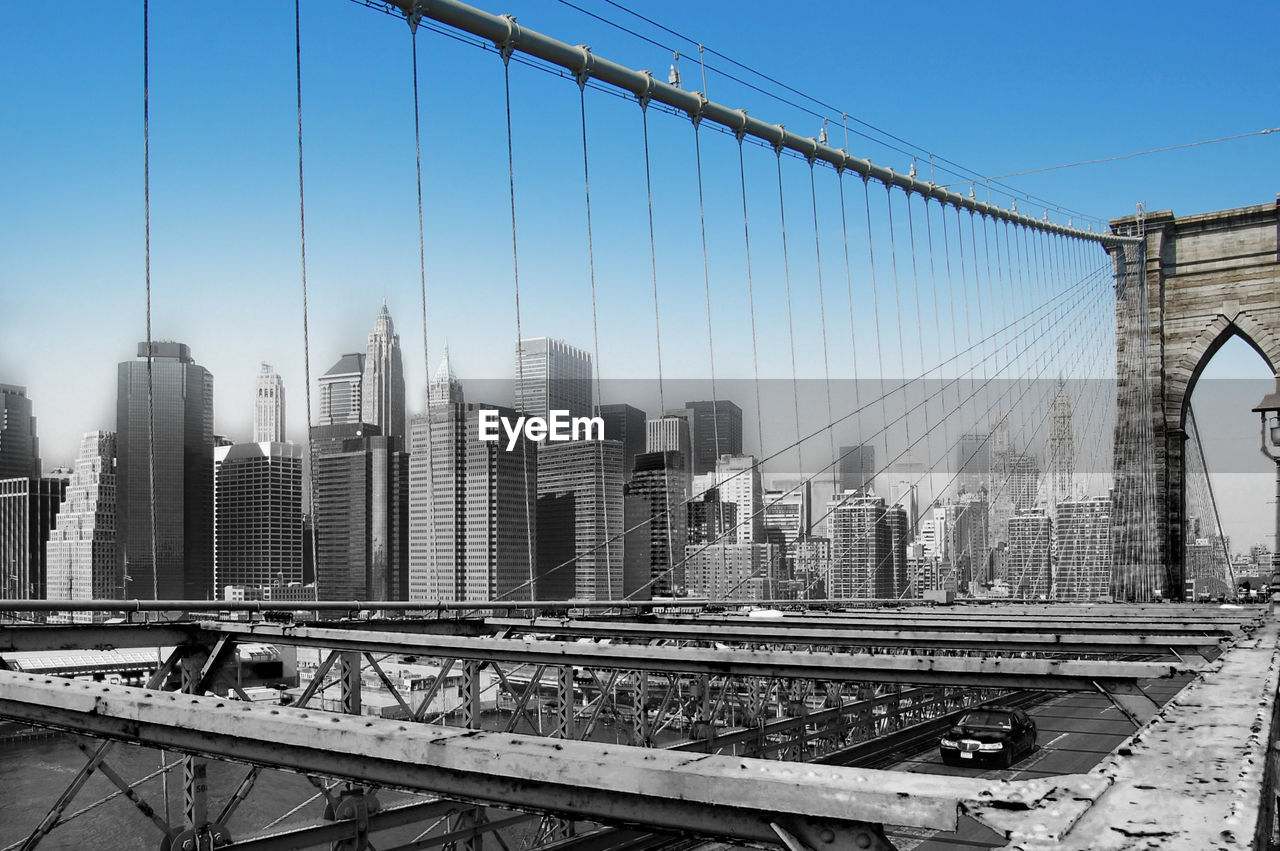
point(983, 333)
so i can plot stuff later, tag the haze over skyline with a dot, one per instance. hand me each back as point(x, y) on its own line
point(1019, 88)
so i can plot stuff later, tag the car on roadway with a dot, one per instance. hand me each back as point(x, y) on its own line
point(989, 734)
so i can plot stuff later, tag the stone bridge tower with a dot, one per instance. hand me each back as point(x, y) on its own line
point(1192, 284)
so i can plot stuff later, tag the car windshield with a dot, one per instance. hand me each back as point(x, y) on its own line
point(989, 720)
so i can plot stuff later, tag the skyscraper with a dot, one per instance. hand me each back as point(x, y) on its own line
point(552, 375)
point(340, 391)
point(670, 433)
point(738, 480)
point(857, 468)
point(183, 498)
point(257, 515)
point(362, 520)
point(626, 424)
point(715, 429)
point(1082, 536)
point(268, 407)
point(19, 447)
point(656, 518)
point(28, 510)
point(1061, 450)
point(81, 552)
point(579, 534)
point(382, 381)
point(1028, 561)
point(863, 559)
point(472, 504)
point(973, 462)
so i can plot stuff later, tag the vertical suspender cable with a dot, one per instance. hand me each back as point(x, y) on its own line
point(751, 298)
point(151, 416)
point(515, 274)
point(306, 339)
point(653, 251)
point(791, 333)
point(422, 252)
point(848, 283)
point(706, 284)
point(595, 328)
point(822, 310)
point(875, 301)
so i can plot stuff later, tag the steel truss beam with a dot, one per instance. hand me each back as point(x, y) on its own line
point(710, 795)
point(907, 637)
point(1042, 674)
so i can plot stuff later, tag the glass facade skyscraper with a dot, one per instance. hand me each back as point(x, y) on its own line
point(257, 515)
point(19, 447)
point(552, 375)
point(183, 498)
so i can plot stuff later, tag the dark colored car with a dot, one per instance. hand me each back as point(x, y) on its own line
point(986, 734)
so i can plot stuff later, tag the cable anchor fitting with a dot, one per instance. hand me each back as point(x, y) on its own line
point(782, 134)
point(583, 74)
point(415, 15)
point(508, 45)
point(647, 95)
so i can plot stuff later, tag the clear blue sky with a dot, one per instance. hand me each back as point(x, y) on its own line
point(998, 87)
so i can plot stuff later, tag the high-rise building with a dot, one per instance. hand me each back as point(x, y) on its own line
point(579, 534)
point(268, 407)
point(1061, 450)
point(863, 561)
point(655, 517)
point(710, 519)
point(182, 503)
point(731, 571)
point(1082, 537)
point(81, 552)
point(857, 468)
point(19, 446)
point(1029, 557)
point(962, 542)
point(340, 391)
point(362, 520)
point(626, 424)
point(811, 566)
point(382, 380)
point(670, 433)
point(257, 515)
point(973, 462)
point(738, 480)
point(552, 375)
point(788, 511)
point(715, 429)
point(28, 510)
point(473, 505)
point(1024, 480)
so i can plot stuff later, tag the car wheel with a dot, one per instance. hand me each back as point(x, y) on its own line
point(1006, 758)
point(948, 759)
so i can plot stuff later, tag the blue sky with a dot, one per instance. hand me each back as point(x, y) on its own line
point(998, 87)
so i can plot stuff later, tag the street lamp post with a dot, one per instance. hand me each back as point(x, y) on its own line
point(1269, 412)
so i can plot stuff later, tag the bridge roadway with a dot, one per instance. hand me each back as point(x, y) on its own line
point(583, 781)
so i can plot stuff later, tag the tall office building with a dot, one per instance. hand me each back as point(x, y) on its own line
point(626, 424)
point(183, 498)
point(788, 511)
point(710, 519)
point(655, 516)
point(1029, 557)
point(257, 515)
point(552, 375)
point(1024, 480)
point(857, 468)
point(19, 446)
point(579, 534)
point(738, 480)
point(268, 407)
point(670, 433)
point(973, 462)
point(472, 504)
point(1082, 536)
point(863, 561)
point(362, 520)
point(382, 380)
point(28, 510)
point(961, 541)
point(340, 391)
point(1061, 450)
point(715, 429)
point(81, 552)
point(731, 571)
